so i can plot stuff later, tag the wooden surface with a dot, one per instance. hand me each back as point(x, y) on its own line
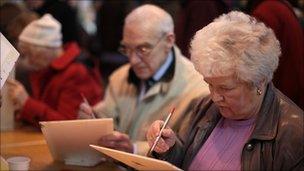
point(30, 142)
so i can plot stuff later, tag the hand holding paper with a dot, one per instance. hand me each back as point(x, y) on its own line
point(17, 93)
point(118, 141)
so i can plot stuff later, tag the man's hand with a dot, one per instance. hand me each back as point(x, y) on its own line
point(167, 139)
point(17, 93)
point(117, 141)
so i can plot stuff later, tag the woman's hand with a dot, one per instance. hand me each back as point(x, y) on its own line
point(17, 93)
point(167, 139)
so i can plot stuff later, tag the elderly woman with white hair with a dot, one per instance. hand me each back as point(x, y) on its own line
point(245, 123)
point(59, 75)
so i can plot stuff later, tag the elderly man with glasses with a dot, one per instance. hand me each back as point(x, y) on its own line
point(156, 79)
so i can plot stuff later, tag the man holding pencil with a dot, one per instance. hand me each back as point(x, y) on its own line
point(156, 79)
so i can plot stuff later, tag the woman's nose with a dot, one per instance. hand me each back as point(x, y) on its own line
point(216, 97)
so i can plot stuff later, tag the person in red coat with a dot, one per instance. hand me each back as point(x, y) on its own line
point(59, 77)
point(279, 15)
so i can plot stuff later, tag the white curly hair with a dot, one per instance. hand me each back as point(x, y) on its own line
point(236, 43)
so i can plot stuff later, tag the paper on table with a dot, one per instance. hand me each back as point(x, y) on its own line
point(136, 161)
point(9, 56)
point(68, 140)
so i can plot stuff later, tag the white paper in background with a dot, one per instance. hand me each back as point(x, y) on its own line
point(9, 56)
point(69, 140)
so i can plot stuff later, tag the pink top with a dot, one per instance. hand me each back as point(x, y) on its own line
point(223, 148)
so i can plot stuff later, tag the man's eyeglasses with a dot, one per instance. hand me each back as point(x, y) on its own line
point(141, 51)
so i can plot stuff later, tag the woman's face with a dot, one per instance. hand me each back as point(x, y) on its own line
point(235, 99)
point(37, 56)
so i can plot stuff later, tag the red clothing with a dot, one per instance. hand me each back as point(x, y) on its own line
point(289, 77)
point(57, 89)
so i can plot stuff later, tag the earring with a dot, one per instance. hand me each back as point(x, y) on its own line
point(259, 91)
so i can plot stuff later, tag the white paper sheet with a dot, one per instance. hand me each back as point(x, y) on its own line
point(136, 161)
point(69, 140)
point(9, 56)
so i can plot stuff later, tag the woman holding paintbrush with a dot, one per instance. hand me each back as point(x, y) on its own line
point(245, 123)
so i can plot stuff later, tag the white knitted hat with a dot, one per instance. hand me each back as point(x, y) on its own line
point(45, 31)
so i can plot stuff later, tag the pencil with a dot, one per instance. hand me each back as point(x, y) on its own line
point(85, 100)
point(160, 132)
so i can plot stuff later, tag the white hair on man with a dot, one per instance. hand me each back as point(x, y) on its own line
point(151, 17)
point(236, 43)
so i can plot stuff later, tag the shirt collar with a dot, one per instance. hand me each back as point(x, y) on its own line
point(163, 69)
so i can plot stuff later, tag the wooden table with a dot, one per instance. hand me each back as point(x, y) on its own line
point(30, 142)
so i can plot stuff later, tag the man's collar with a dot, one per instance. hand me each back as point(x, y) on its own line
point(162, 70)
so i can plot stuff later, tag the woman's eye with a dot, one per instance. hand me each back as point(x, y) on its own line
point(226, 88)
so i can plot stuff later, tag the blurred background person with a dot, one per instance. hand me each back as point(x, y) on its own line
point(245, 123)
point(109, 23)
point(194, 15)
point(67, 13)
point(8, 11)
point(14, 18)
point(280, 17)
point(63, 13)
point(110, 17)
point(60, 75)
point(156, 79)
point(14, 29)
